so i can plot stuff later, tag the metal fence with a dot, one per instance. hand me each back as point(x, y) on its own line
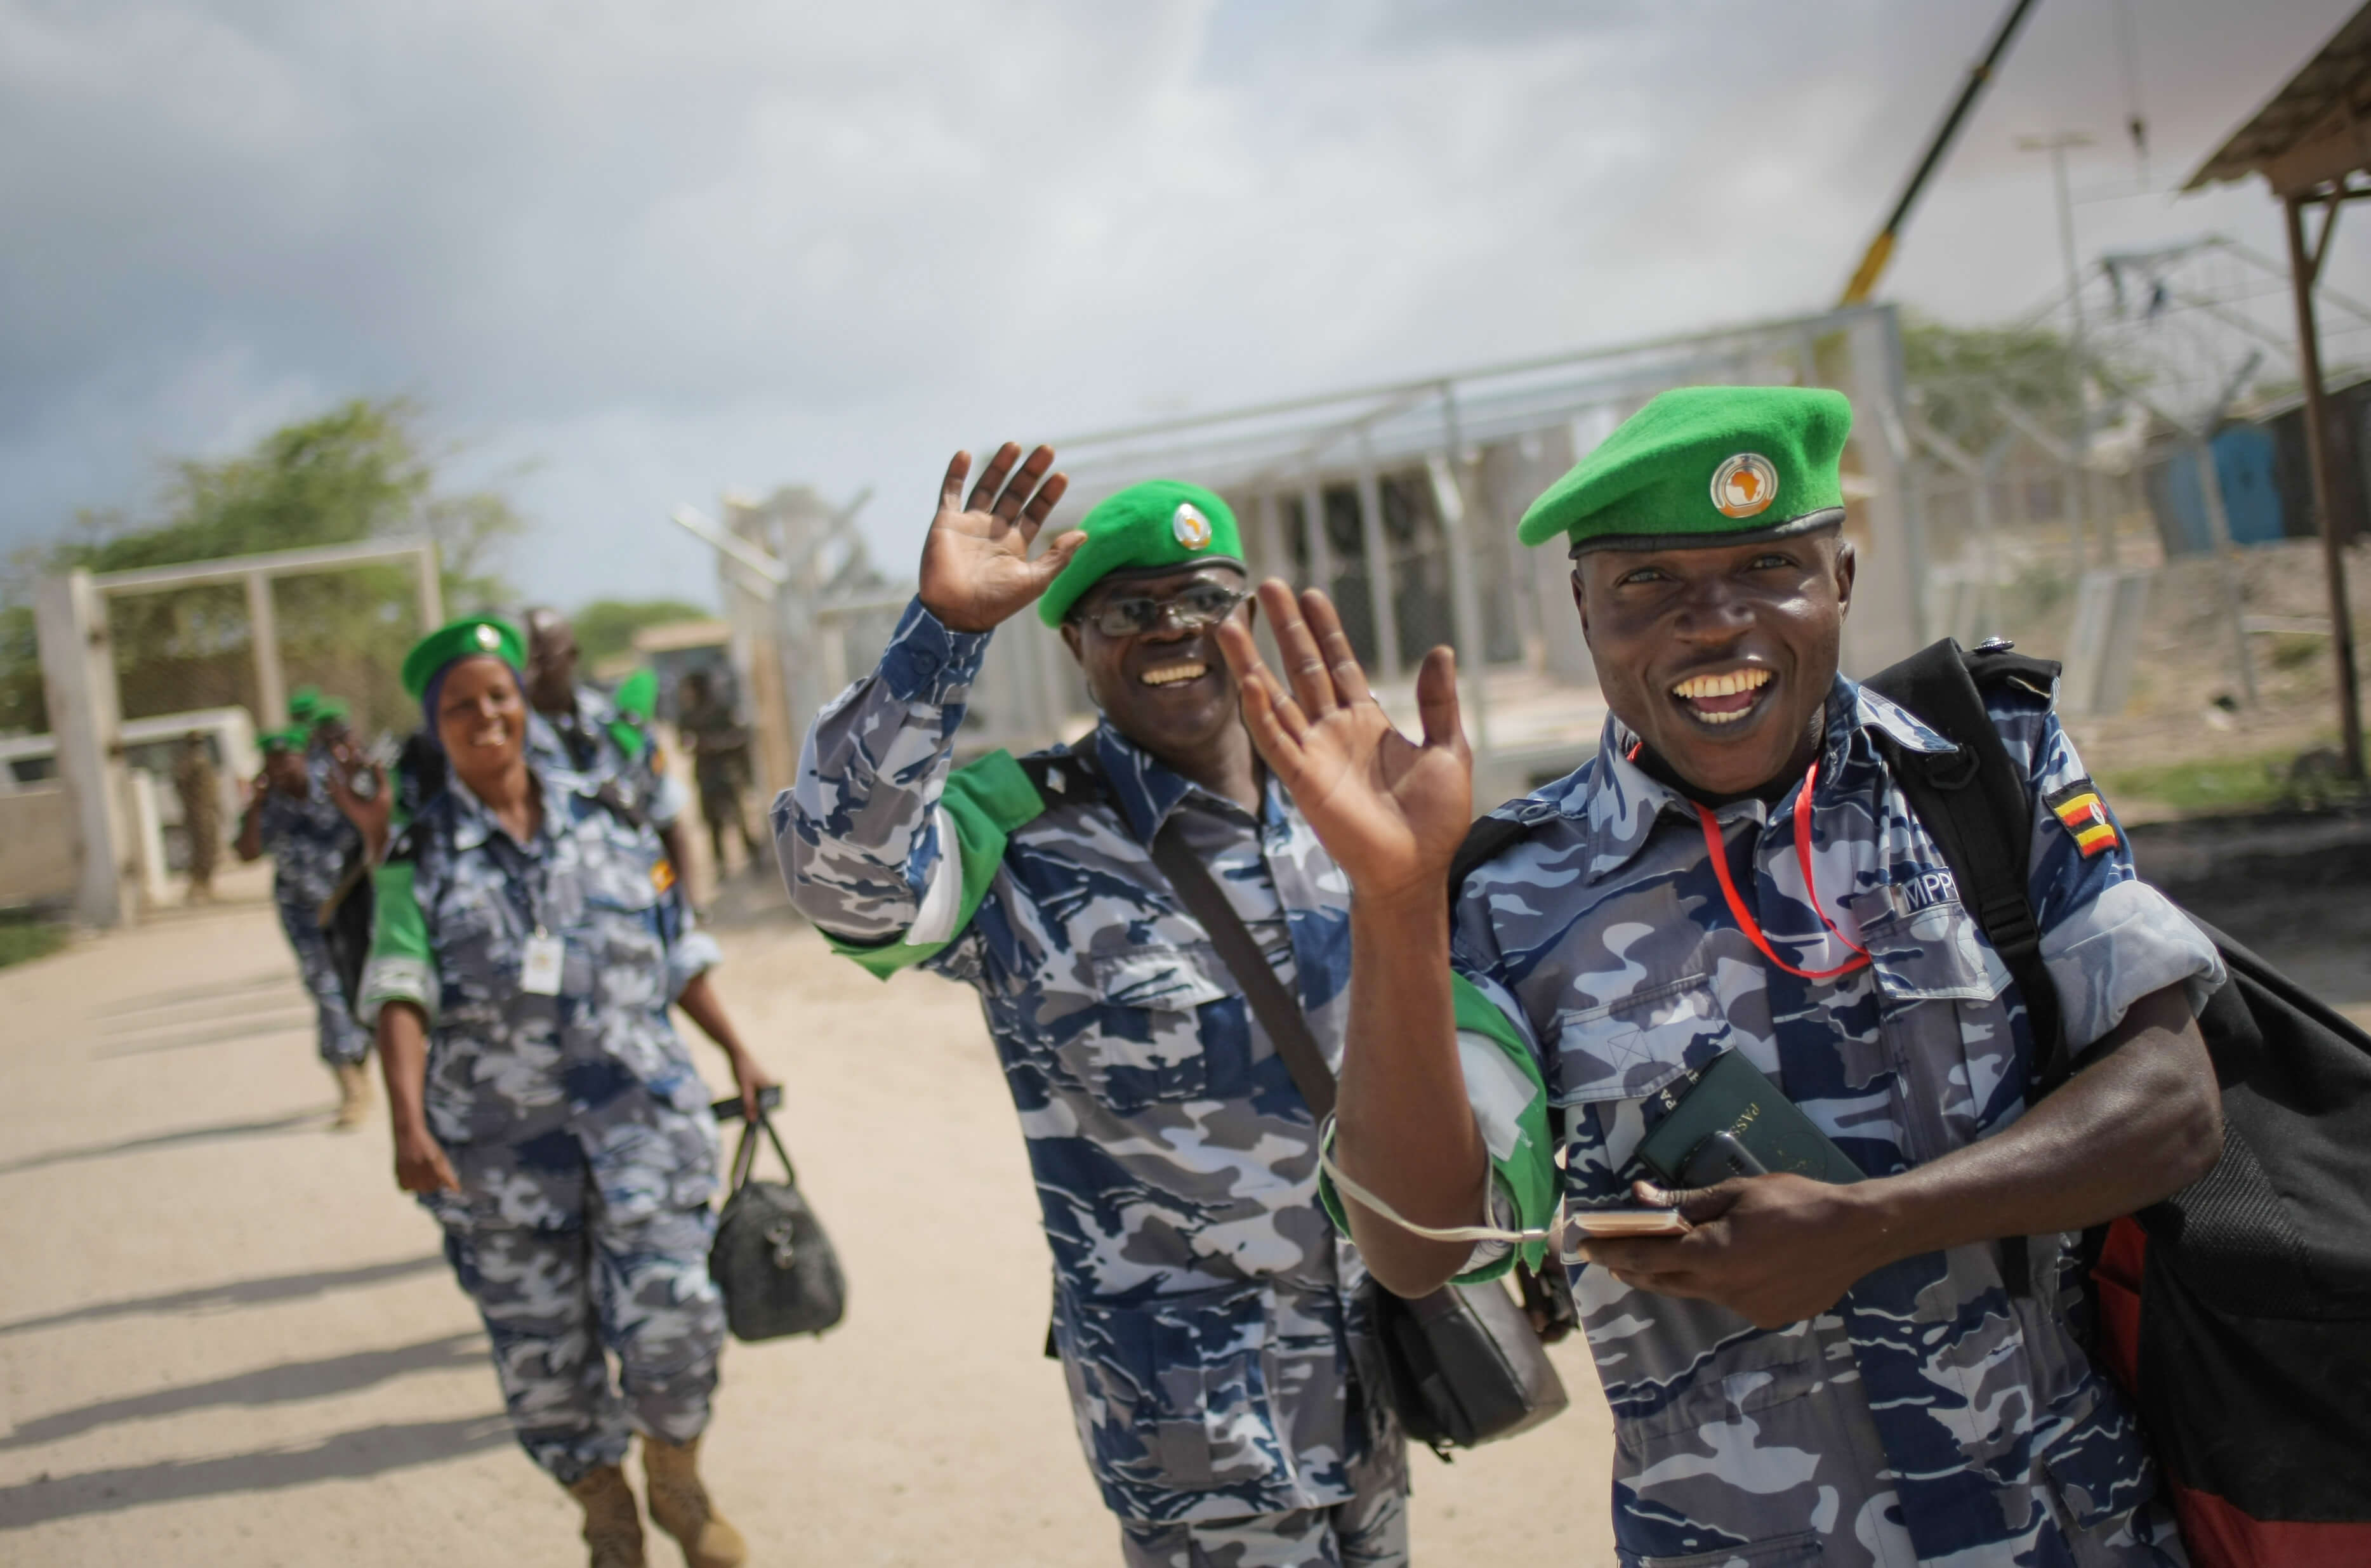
point(1401, 501)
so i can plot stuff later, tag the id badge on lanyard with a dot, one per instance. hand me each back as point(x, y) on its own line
point(545, 957)
point(541, 965)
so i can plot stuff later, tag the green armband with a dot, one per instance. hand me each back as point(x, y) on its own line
point(1510, 1106)
point(628, 736)
point(400, 967)
point(986, 800)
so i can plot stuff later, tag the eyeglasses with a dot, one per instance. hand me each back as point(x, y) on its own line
point(1196, 606)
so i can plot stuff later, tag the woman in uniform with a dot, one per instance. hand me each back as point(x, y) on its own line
point(527, 942)
point(292, 817)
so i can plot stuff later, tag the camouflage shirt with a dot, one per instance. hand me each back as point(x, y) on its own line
point(308, 837)
point(457, 903)
point(597, 742)
point(1205, 1309)
point(1927, 1416)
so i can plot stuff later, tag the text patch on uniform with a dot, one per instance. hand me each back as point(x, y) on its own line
point(2086, 815)
point(1925, 890)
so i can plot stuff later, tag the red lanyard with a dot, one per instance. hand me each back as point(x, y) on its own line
point(1752, 928)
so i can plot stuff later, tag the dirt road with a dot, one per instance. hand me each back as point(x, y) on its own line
point(225, 1337)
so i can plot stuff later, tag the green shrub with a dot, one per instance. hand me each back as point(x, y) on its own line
point(24, 938)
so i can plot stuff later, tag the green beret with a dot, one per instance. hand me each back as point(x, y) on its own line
point(291, 738)
point(463, 638)
point(1159, 523)
point(638, 694)
point(326, 711)
point(1703, 466)
point(302, 704)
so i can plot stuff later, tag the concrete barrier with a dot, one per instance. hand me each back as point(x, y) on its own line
point(38, 863)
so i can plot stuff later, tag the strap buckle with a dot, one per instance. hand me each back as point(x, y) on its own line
point(2010, 923)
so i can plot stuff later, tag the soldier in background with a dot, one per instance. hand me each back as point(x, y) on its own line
point(719, 744)
point(195, 784)
point(1209, 1323)
point(579, 729)
point(292, 816)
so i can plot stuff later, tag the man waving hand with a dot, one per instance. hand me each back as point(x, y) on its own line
point(1207, 1318)
point(1869, 1371)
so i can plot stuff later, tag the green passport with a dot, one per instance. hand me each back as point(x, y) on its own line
point(1732, 1121)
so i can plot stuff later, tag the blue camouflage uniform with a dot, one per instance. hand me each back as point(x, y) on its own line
point(576, 1123)
point(1205, 1311)
point(597, 741)
point(309, 841)
point(1927, 1417)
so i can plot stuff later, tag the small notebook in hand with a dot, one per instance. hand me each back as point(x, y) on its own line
point(1733, 1122)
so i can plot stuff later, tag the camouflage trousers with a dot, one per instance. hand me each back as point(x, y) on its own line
point(580, 1242)
point(1369, 1532)
point(338, 1037)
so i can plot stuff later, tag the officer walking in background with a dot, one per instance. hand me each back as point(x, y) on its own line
point(719, 743)
point(1205, 1312)
point(195, 785)
point(1831, 1372)
point(293, 816)
point(529, 939)
point(583, 732)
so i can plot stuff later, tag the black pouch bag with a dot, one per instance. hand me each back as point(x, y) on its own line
point(771, 1258)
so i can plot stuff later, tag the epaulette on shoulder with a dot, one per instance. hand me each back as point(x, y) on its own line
point(1492, 837)
point(1065, 778)
point(1997, 663)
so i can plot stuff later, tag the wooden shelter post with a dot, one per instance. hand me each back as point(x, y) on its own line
point(2304, 269)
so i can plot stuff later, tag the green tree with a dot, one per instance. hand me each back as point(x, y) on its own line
point(358, 471)
point(606, 628)
point(22, 705)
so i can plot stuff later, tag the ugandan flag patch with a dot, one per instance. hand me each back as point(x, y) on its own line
point(2085, 816)
point(663, 874)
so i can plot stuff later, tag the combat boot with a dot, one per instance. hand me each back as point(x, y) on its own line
point(679, 1505)
point(353, 1096)
point(613, 1524)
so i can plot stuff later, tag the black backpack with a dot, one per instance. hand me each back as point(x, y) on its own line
point(2236, 1312)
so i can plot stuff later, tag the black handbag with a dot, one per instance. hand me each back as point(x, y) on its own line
point(1459, 1366)
point(771, 1258)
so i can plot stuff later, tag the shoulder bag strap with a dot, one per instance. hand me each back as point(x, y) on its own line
point(1976, 806)
point(1277, 1009)
point(1974, 802)
point(1074, 777)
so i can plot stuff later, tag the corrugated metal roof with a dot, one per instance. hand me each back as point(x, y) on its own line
point(2316, 128)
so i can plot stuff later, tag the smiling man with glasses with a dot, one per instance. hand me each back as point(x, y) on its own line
point(1205, 1312)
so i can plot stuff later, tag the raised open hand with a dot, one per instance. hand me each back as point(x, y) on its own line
point(975, 567)
point(372, 814)
point(1390, 810)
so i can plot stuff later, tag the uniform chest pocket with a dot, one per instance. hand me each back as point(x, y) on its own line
point(1162, 979)
point(1611, 1055)
point(476, 940)
point(616, 937)
point(1628, 1048)
point(1142, 1038)
point(1933, 955)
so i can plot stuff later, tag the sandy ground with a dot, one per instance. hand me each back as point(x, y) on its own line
point(225, 1337)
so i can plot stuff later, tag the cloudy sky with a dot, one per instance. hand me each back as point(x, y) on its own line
point(632, 254)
